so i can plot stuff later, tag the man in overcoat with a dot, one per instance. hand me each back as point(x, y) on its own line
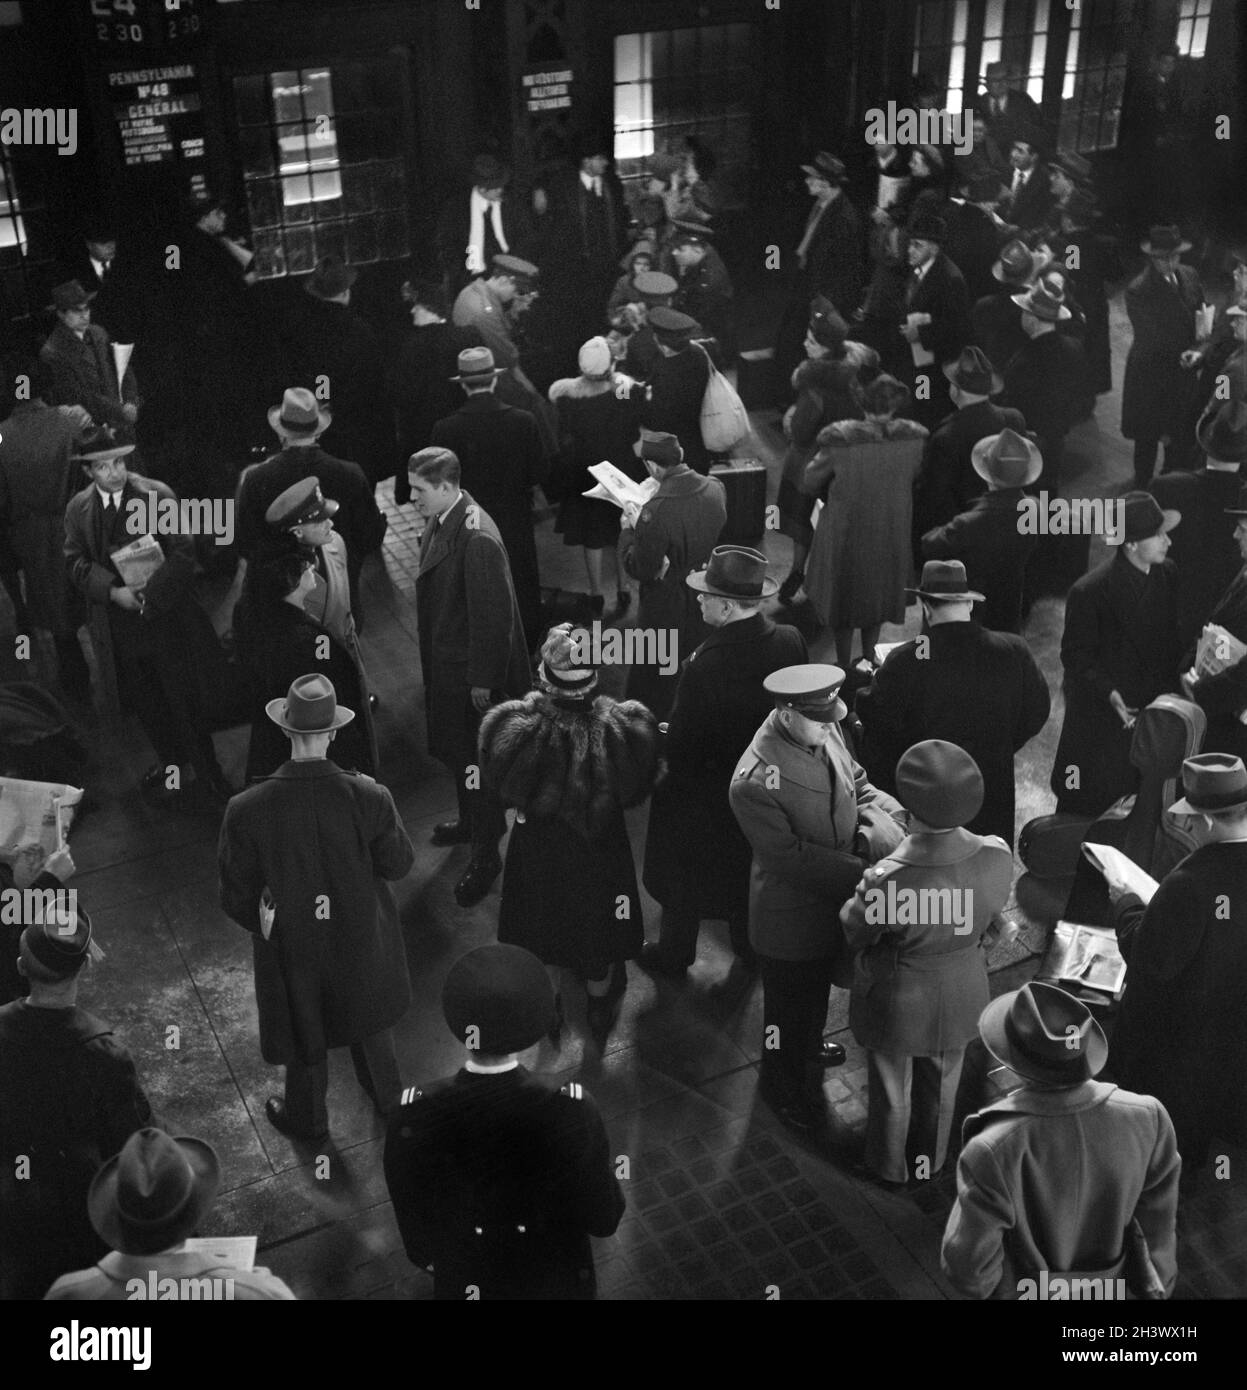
point(1018, 1215)
point(696, 858)
point(935, 291)
point(79, 355)
point(957, 681)
point(1223, 696)
point(920, 979)
point(1159, 393)
point(814, 823)
point(1182, 1034)
point(498, 1180)
point(306, 857)
point(472, 651)
point(480, 223)
point(660, 545)
point(677, 384)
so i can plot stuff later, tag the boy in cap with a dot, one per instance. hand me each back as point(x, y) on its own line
point(69, 1098)
point(918, 921)
point(1018, 1215)
point(498, 1181)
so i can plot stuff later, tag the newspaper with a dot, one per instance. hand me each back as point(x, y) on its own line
point(138, 561)
point(1085, 957)
point(1120, 871)
point(1204, 317)
point(922, 356)
point(230, 1252)
point(122, 352)
point(34, 819)
point(615, 486)
point(1217, 651)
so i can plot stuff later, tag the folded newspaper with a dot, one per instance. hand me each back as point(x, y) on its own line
point(1120, 871)
point(1217, 651)
point(1084, 957)
point(615, 486)
point(34, 819)
point(138, 561)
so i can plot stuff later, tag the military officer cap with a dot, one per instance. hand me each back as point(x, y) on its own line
point(689, 234)
point(61, 945)
point(654, 288)
point(521, 271)
point(498, 999)
point(301, 503)
point(940, 783)
point(810, 690)
point(666, 320)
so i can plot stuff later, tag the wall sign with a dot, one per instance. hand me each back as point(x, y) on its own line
point(123, 25)
point(158, 112)
point(547, 88)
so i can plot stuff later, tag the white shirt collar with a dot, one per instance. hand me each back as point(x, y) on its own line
point(106, 497)
point(470, 1065)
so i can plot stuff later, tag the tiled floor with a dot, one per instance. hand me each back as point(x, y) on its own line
point(722, 1202)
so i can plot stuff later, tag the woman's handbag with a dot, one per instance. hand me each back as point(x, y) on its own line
point(724, 419)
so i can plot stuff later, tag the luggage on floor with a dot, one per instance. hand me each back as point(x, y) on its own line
point(744, 482)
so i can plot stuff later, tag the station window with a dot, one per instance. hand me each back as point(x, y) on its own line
point(25, 239)
point(322, 165)
point(1095, 75)
point(1192, 35)
point(940, 48)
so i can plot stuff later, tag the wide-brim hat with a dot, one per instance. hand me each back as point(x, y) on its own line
point(1163, 241)
point(1213, 782)
point(973, 372)
point(1143, 517)
point(1044, 1034)
point(310, 706)
point(1007, 459)
point(100, 445)
point(498, 999)
point(299, 414)
point(926, 226)
point(1222, 434)
point(1040, 301)
point(999, 69)
point(945, 579)
point(811, 689)
point(940, 783)
point(826, 323)
point(70, 295)
point(734, 571)
point(1015, 265)
point(477, 364)
point(827, 167)
point(154, 1193)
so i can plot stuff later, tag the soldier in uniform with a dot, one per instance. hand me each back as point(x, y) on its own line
point(498, 1181)
point(704, 288)
point(69, 1099)
point(920, 979)
point(661, 544)
point(482, 304)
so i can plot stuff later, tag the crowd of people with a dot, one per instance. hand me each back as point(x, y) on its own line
point(947, 327)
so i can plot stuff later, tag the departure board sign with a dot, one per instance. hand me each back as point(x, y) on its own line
point(121, 26)
point(159, 113)
point(547, 89)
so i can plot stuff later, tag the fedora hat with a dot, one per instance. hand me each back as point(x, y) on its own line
point(70, 295)
point(827, 167)
point(299, 414)
point(945, 579)
point(998, 69)
point(1144, 517)
point(1044, 1034)
point(1046, 301)
point(331, 278)
point(489, 172)
point(476, 364)
point(499, 998)
point(154, 1193)
point(811, 689)
point(926, 226)
point(100, 445)
point(1162, 241)
point(1222, 434)
point(973, 372)
point(309, 707)
point(734, 571)
point(940, 783)
point(558, 673)
point(1007, 459)
point(1016, 263)
point(1213, 782)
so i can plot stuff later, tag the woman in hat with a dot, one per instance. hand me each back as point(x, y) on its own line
point(571, 762)
point(638, 261)
point(860, 560)
point(1119, 650)
point(277, 642)
point(823, 385)
point(598, 416)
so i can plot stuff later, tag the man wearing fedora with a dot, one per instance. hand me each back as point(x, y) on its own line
point(501, 460)
point(677, 384)
point(144, 1203)
point(1205, 550)
point(1047, 379)
point(660, 545)
point(959, 682)
point(69, 1098)
point(498, 1180)
point(79, 355)
point(473, 651)
point(299, 421)
point(814, 822)
point(985, 536)
point(1160, 390)
point(1006, 109)
point(1119, 651)
point(306, 857)
point(1018, 1215)
point(476, 226)
point(995, 319)
point(697, 859)
point(948, 482)
point(1182, 1034)
point(830, 258)
point(920, 978)
point(158, 638)
point(935, 313)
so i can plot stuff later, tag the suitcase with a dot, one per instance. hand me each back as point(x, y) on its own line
point(744, 482)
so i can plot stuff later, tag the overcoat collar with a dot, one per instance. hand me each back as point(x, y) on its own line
point(307, 769)
point(927, 849)
point(446, 534)
point(682, 483)
point(1029, 1101)
point(747, 630)
point(808, 768)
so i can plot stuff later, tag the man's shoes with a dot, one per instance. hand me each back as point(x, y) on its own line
point(478, 879)
point(788, 589)
point(452, 832)
point(275, 1109)
point(654, 962)
point(830, 1054)
point(597, 604)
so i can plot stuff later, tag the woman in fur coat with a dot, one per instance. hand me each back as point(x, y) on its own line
point(571, 764)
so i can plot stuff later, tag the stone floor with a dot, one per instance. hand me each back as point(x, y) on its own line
point(722, 1202)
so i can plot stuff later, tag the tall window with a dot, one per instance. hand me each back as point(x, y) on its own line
point(683, 82)
point(26, 251)
point(1192, 35)
point(940, 48)
point(1016, 31)
point(320, 153)
point(1095, 75)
